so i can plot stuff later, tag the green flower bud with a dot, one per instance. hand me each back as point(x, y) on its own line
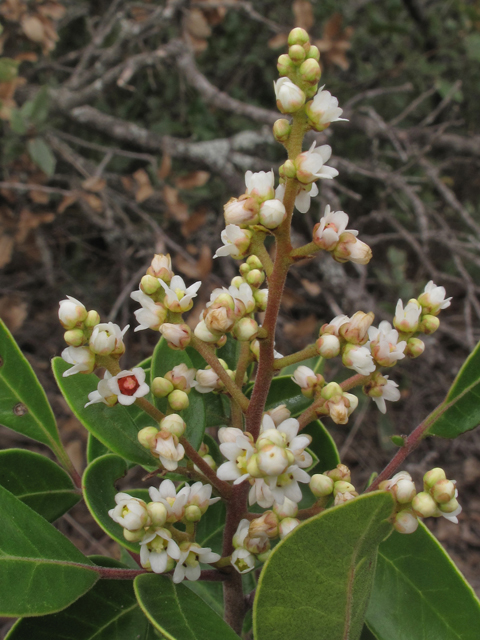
point(210, 461)
point(255, 278)
point(285, 65)
point(149, 285)
point(432, 477)
point(405, 521)
point(178, 400)
point(341, 472)
point(252, 467)
point(321, 485)
point(298, 36)
point(313, 53)
point(237, 281)
point(133, 536)
point(281, 130)
point(161, 387)
point(331, 390)
point(146, 436)
point(296, 53)
point(443, 491)
point(74, 337)
point(254, 262)
point(173, 424)
point(429, 324)
point(158, 513)
point(310, 71)
point(245, 329)
point(450, 506)
point(289, 169)
point(424, 505)
point(244, 268)
point(343, 487)
point(192, 513)
point(415, 347)
point(92, 319)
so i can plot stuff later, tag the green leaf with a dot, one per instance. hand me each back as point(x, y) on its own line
point(472, 45)
point(209, 531)
point(8, 69)
point(431, 597)
point(284, 391)
point(99, 493)
point(95, 449)
point(163, 360)
point(112, 426)
point(18, 123)
point(230, 352)
point(367, 634)
point(40, 570)
point(42, 155)
point(177, 612)
point(323, 446)
point(464, 414)
point(109, 611)
point(24, 407)
point(40, 106)
point(317, 581)
point(38, 482)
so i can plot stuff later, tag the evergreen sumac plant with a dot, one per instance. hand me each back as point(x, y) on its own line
point(264, 514)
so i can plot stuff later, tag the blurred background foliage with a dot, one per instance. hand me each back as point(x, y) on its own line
point(127, 125)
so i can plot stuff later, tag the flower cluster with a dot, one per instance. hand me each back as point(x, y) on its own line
point(438, 498)
point(164, 443)
point(273, 465)
point(336, 483)
point(163, 547)
point(175, 386)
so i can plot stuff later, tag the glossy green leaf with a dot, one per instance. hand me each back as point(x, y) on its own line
point(109, 611)
point(367, 634)
point(99, 492)
point(40, 570)
point(112, 426)
point(431, 597)
point(95, 448)
point(464, 414)
point(38, 482)
point(163, 360)
point(213, 449)
point(317, 581)
point(42, 155)
point(230, 352)
point(284, 391)
point(24, 407)
point(177, 612)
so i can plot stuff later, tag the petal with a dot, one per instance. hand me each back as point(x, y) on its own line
point(158, 561)
point(228, 471)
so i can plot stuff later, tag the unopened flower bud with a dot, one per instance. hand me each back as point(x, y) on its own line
point(178, 336)
point(298, 36)
point(210, 461)
point(356, 330)
point(146, 437)
point(178, 400)
point(158, 513)
point(433, 476)
point(350, 249)
point(310, 71)
point(266, 524)
point(313, 53)
point(343, 487)
point(245, 329)
point(328, 346)
point(332, 390)
point(74, 337)
point(407, 318)
point(321, 485)
point(161, 267)
point(288, 509)
point(92, 319)
point(241, 211)
point(244, 268)
point(173, 424)
point(296, 53)
point(255, 278)
point(443, 491)
point(149, 285)
point(450, 506)
point(71, 313)
point(202, 333)
point(404, 491)
point(286, 526)
point(290, 97)
point(424, 505)
point(341, 472)
point(279, 414)
point(272, 214)
point(405, 521)
point(285, 65)
point(261, 298)
point(281, 130)
point(257, 543)
point(192, 513)
point(161, 387)
point(415, 347)
point(134, 536)
point(252, 467)
point(429, 324)
point(219, 319)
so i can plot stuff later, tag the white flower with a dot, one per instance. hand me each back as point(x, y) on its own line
point(333, 327)
point(290, 98)
point(324, 109)
point(183, 377)
point(311, 164)
point(158, 551)
point(235, 240)
point(107, 338)
point(260, 184)
point(433, 299)
point(237, 452)
point(452, 517)
point(71, 312)
point(167, 495)
point(406, 319)
point(272, 213)
point(304, 377)
point(241, 211)
point(151, 315)
point(131, 513)
point(384, 344)
point(178, 298)
point(103, 393)
point(389, 392)
point(326, 234)
point(284, 486)
point(200, 495)
point(168, 449)
point(302, 201)
point(129, 385)
point(359, 359)
point(243, 560)
point(82, 359)
point(296, 444)
point(178, 335)
point(207, 381)
point(243, 295)
point(188, 565)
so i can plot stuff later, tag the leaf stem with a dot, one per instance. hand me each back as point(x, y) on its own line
point(304, 354)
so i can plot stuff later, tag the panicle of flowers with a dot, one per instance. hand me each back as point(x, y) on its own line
point(175, 386)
